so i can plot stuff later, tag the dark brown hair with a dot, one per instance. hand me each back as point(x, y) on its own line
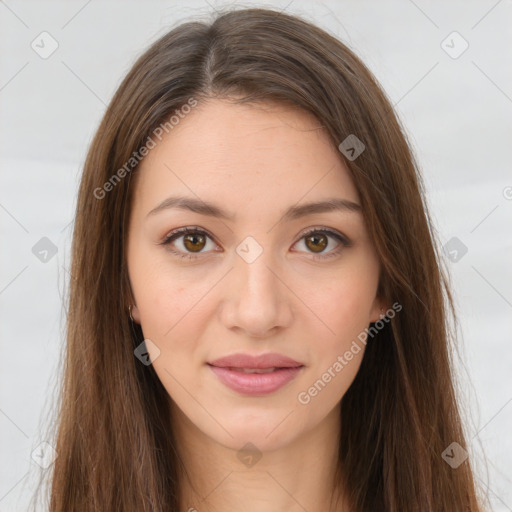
point(115, 450)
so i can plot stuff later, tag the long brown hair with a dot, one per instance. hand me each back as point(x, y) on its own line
point(115, 449)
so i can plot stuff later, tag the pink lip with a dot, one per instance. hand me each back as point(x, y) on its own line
point(225, 368)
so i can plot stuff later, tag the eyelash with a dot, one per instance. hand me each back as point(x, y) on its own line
point(344, 242)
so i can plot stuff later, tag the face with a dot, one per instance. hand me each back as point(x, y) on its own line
point(268, 276)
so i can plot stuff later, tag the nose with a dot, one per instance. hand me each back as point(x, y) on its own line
point(257, 300)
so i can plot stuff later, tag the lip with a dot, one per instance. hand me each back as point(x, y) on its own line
point(262, 361)
point(230, 371)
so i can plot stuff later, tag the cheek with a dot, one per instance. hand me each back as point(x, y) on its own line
point(344, 310)
point(173, 317)
point(344, 305)
point(176, 305)
point(338, 352)
point(167, 296)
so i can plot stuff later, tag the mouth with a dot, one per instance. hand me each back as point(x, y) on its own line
point(255, 377)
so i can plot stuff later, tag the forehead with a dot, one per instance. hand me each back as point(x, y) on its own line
point(247, 157)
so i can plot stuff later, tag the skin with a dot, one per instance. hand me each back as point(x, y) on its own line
point(253, 161)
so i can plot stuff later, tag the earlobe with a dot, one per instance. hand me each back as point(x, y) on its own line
point(134, 313)
point(378, 312)
point(379, 316)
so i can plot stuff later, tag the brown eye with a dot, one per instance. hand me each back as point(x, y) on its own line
point(189, 242)
point(316, 242)
point(323, 243)
point(194, 242)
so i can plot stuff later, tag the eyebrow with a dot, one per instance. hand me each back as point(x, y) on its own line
point(293, 212)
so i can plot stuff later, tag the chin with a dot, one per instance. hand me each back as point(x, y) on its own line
point(267, 430)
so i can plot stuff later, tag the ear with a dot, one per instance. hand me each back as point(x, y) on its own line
point(130, 301)
point(378, 310)
point(135, 314)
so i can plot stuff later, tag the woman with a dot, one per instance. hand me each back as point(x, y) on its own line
point(257, 316)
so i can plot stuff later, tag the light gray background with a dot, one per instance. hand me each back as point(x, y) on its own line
point(457, 113)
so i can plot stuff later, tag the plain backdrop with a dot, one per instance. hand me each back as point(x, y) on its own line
point(452, 91)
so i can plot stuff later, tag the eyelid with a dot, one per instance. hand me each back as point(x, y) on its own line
point(183, 231)
point(332, 232)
